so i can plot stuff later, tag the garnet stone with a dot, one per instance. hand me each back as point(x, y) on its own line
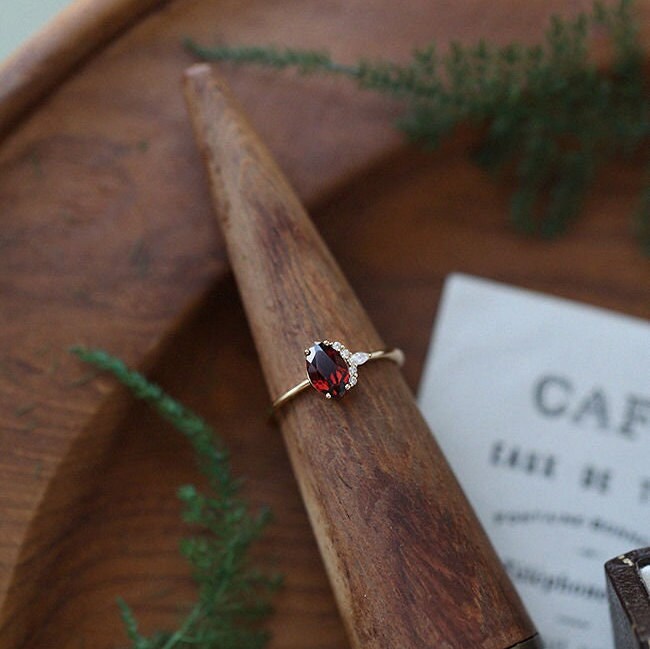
point(327, 370)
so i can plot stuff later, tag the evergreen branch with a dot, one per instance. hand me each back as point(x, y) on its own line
point(547, 110)
point(306, 62)
point(233, 595)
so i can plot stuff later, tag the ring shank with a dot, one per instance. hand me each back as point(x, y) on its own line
point(290, 394)
point(396, 355)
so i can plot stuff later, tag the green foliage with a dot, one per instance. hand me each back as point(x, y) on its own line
point(233, 595)
point(549, 114)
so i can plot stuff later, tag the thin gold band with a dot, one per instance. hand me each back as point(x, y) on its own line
point(395, 355)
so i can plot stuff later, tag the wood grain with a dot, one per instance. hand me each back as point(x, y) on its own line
point(108, 240)
point(49, 57)
point(629, 601)
point(408, 561)
point(124, 542)
point(405, 234)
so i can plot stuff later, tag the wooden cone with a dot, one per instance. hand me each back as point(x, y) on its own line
point(410, 565)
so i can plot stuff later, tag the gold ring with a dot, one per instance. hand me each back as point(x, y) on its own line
point(332, 369)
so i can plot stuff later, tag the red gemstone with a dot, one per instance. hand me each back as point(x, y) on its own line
point(327, 370)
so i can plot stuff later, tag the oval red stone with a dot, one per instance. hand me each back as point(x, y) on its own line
point(327, 370)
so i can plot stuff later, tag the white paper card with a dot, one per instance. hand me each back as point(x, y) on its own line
point(542, 407)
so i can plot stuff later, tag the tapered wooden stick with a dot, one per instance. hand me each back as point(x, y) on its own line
point(410, 565)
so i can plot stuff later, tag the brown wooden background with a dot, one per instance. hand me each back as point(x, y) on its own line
point(108, 239)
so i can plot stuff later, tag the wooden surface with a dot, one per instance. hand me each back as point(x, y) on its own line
point(42, 63)
point(409, 562)
point(629, 599)
point(108, 239)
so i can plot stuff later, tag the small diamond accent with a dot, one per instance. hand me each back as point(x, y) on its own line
point(359, 358)
point(337, 346)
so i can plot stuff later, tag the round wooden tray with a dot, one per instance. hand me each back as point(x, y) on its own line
point(108, 240)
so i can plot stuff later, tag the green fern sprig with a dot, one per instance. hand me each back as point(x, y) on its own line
point(233, 595)
point(548, 112)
